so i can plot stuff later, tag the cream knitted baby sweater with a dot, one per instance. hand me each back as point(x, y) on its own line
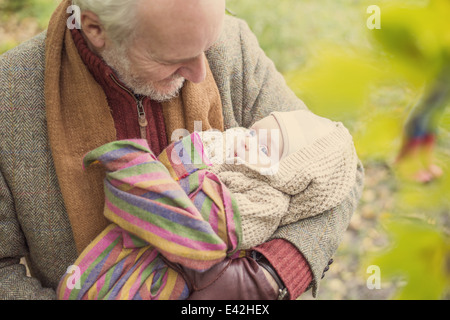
point(308, 182)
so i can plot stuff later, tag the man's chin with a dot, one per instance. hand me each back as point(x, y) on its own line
point(161, 92)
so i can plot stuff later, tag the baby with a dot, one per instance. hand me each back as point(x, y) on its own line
point(188, 207)
point(286, 167)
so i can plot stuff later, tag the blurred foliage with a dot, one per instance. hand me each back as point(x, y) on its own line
point(370, 80)
point(367, 79)
point(418, 35)
point(418, 251)
point(39, 9)
point(22, 19)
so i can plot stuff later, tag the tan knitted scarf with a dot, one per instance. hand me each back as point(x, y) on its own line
point(79, 121)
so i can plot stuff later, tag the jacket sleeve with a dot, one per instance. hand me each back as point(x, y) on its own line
point(14, 282)
point(318, 238)
point(253, 89)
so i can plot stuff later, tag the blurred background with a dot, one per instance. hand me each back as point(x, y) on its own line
point(383, 69)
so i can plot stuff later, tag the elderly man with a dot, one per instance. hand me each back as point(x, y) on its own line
point(149, 69)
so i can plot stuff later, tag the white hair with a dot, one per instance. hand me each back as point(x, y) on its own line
point(118, 17)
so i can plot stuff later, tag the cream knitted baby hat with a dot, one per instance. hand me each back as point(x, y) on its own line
point(301, 128)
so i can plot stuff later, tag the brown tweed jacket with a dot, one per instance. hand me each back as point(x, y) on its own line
point(33, 218)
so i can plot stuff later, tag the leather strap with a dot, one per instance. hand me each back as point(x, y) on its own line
point(283, 293)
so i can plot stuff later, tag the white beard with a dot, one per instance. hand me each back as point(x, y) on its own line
point(118, 60)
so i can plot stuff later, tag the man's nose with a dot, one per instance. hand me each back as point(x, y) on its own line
point(194, 70)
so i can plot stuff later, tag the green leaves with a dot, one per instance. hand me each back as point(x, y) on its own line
point(22, 19)
point(337, 82)
point(420, 254)
point(377, 137)
point(417, 34)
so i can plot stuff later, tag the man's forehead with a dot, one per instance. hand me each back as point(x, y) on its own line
point(180, 38)
point(178, 10)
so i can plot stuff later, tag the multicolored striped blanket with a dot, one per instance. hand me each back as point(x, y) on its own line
point(161, 208)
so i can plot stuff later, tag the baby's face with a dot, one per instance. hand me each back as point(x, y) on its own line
point(264, 146)
point(269, 135)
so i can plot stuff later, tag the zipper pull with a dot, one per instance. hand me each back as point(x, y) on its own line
point(143, 123)
point(142, 118)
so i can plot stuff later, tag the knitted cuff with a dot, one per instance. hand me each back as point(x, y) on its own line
point(289, 263)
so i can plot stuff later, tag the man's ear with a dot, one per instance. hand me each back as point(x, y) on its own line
point(93, 29)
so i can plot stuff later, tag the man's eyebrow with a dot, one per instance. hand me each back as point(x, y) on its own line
point(176, 61)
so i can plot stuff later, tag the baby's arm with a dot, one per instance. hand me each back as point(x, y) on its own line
point(261, 207)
